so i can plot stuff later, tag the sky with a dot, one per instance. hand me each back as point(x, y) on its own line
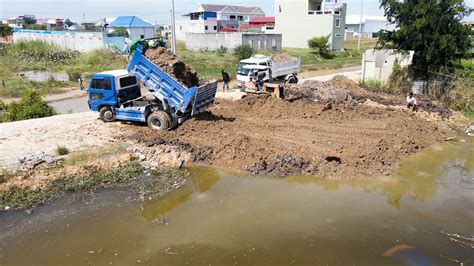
point(155, 11)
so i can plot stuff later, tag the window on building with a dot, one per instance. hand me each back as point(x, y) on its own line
point(215, 27)
point(337, 12)
point(337, 35)
point(241, 18)
point(274, 43)
point(232, 17)
point(206, 27)
point(338, 22)
point(314, 5)
point(279, 8)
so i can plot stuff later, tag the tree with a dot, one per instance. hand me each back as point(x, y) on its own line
point(321, 44)
point(243, 51)
point(29, 21)
point(120, 31)
point(5, 30)
point(431, 28)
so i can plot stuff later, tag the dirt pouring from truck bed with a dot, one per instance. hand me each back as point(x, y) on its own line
point(172, 65)
point(264, 135)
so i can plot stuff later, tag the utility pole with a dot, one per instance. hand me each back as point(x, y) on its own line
point(173, 29)
point(360, 23)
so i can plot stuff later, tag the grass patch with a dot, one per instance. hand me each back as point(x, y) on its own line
point(78, 157)
point(210, 64)
point(469, 115)
point(62, 150)
point(26, 56)
point(20, 198)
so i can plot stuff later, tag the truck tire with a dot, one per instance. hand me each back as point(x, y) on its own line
point(159, 120)
point(107, 114)
point(292, 80)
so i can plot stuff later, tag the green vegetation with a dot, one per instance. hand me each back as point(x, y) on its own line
point(373, 85)
point(209, 64)
point(20, 197)
point(433, 29)
point(320, 44)
point(34, 55)
point(62, 150)
point(5, 30)
point(30, 106)
point(243, 51)
point(120, 31)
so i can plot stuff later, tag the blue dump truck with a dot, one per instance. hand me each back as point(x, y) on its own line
point(116, 95)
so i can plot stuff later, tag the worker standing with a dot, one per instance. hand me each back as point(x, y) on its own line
point(226, 79)
point(411, 102)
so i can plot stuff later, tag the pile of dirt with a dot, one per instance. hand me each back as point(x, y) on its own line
point(172, 65)
point(282, 57)
point(313, 91)
point(361, 95)
point(264, 135)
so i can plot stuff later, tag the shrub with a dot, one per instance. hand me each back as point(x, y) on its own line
point(243, 51)
point(30, 106)
point(62, 150)
point(221, 50)
point(374, 85)
point(461, 97)
point(321, 44)
point(401, 78)
point(37, 51)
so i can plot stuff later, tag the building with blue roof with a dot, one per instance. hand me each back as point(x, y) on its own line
point(137, 28)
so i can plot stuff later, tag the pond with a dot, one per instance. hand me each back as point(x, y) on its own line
point(421, 215)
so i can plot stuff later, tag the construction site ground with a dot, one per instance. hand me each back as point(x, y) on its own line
point(364, 137)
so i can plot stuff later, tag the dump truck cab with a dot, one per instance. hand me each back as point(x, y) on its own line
point(111, 89)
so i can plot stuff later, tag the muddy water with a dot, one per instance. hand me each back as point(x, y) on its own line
point(220, 218)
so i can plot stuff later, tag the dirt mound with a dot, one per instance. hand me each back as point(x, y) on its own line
point(313, 91)
point(172, 65)
point(361, 95)
point(264, 135)
point(282, 57)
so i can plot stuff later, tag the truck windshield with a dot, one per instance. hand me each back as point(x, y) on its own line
point(243, 71)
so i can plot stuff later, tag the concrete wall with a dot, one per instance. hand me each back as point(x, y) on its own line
point(212, 41)
point(194, 26)
point(80, 41)
point(297, 26)
point(137, 33)
point(268, 42)
point(378, 64)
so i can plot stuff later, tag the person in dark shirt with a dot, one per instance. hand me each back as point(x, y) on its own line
point(226, 79)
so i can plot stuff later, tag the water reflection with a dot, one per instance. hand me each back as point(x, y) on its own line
point(201, 181)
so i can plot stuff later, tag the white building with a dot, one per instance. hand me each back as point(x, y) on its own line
point(194, 26)
point(137, 28)
point(214, 18)
point(370, 25)
point(300, 20)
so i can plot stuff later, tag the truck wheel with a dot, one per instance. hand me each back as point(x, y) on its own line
point(107, 114)
point(292, 80)
point(159, 120)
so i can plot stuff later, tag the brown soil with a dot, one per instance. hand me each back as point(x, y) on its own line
point(172, 65)
point(361, 95)
point(282, 57)
point(313, 91)
point(264, 135)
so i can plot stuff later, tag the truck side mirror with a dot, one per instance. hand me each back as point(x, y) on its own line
point(81, 82)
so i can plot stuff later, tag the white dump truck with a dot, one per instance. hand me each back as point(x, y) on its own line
point(282, 70)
